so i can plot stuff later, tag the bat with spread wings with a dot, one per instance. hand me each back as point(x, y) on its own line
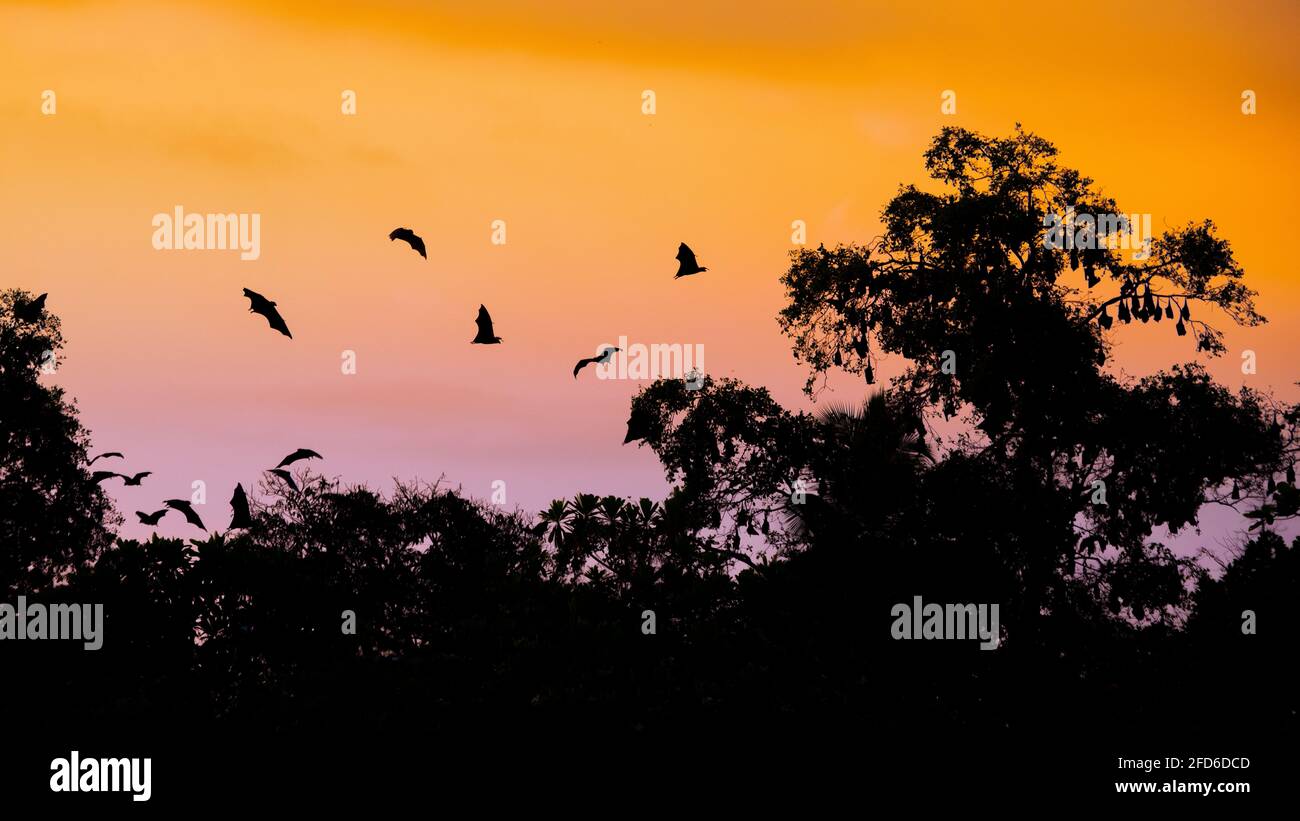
point(186, 510)
point(286, 477)
point(261, 305)
point(410, 237)
point(151, 519)
point(300, 453)
point(599, 359)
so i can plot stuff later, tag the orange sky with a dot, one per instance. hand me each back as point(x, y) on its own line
point(531, 113)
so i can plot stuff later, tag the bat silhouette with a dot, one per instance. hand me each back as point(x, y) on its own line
point(239, 504)
point(638, 426)
point(109, 455)
point(600, 359)
point(300, 453)
point(101, 475)
point(286, 476)
point(485, 332)
point(31, 311)
point(151, 519)
point(265, 307)
point(134, 481)
point(186, 510)
point(410, 237)
point(688, 264)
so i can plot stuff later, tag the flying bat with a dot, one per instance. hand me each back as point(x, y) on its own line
point(485, 332)
point(600, 359)
point(151, 519)
point(239, 504)
point(31, 311)
point(286, 476)
point(134, 481)
point(409, 236)
point(187, 510)
point(688, 264)
point(109, 455)
point(265, 307)
point(300, 453)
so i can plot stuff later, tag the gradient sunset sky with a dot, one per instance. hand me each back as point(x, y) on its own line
point(530, 112)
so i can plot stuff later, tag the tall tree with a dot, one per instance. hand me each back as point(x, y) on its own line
point(53, 517)
point(1001, 290)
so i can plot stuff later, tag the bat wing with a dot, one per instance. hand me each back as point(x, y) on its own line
point(261, 305)
point(300, 453)
point(277, 322)
point(484, 322)
point(286, 476)
point(101, 475)
point(187, 511)
point(108, 455)
point(411, 238)
point(582, 363)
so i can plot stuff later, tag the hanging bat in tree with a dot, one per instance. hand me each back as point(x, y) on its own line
point(31, 311)
point(638, 426)
point(239, 504)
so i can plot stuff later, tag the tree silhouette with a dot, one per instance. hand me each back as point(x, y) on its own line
point(769, 568)
point(966, 287)
point(54, 518)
